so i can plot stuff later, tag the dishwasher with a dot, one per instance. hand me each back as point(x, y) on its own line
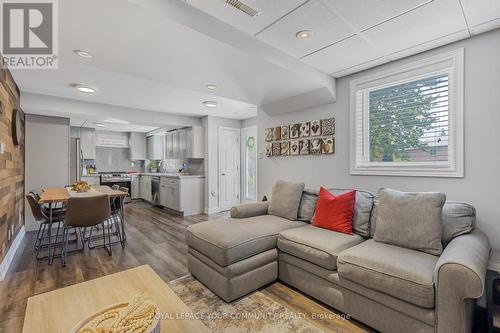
point(155, 191)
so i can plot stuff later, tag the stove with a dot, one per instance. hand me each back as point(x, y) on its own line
point(115, 177)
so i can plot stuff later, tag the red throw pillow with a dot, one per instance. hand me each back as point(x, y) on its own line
point(335, 212)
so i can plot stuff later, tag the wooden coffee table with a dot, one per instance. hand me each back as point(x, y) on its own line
point(60, 310)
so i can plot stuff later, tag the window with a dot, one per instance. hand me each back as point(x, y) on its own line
point(409, 121)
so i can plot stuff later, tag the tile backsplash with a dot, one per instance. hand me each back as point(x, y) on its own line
point(116, 159)
point(195, 166)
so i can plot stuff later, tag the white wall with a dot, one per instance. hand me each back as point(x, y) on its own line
point(47, 156)
point(212, 125)
point(481, 184)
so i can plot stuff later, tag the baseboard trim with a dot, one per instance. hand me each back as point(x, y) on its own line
point(9, 257)
point(212, 210)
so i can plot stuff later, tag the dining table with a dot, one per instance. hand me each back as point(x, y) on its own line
point(54, 197)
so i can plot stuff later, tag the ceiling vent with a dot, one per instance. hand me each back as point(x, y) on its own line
point(243, 7)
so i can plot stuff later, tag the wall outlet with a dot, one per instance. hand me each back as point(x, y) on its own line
point(2, 147)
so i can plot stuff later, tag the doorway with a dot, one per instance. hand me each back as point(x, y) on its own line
point(229, 167)
point(249, 164)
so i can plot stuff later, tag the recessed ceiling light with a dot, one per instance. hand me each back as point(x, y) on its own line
point(211, 86)
point(99, 125)
point(84, 54)
point(303, 34)
point(82, 88)
point(210, 104)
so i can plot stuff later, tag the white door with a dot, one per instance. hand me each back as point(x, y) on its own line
point(249, 164)
point(229, 167)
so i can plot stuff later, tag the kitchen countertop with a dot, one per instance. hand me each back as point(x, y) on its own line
point(92, 175)
point(170, 175)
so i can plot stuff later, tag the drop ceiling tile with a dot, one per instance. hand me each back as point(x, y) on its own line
point(343, 55)
point(327, 28)
point(363, 14)
point(429, 45)
point(481, 11)
point(269, 12)
point(434, 20)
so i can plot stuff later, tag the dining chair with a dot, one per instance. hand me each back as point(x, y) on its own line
point(115, 187)
point(87, 212)
point(42, 218)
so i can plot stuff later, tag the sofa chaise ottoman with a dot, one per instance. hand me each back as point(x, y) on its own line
point(234, 256)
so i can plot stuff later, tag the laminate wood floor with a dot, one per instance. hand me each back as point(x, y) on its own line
point(155, 237)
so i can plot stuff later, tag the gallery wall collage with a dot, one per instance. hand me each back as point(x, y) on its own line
point(307, 138)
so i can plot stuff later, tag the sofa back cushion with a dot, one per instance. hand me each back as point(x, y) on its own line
point(411, 220)
point(459, 218)
point(285, 199)
point(307, 205)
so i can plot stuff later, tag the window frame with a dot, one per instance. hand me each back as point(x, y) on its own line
point(451, 63)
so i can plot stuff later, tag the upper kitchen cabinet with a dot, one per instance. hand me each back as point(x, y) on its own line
point(112, 139)
point(88, 143)
point(195, 137)
point(156, 147)
point(137, 145)
point(186, 142)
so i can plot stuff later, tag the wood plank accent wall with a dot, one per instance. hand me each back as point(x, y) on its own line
point(11, 165)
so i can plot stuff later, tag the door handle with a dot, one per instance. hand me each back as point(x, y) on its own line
point(222, 174)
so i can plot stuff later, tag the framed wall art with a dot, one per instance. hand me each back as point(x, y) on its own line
point(328, 145)
point(294, 147)
point(305, 129)
point(285, 148)
point(268, 134)
point(294, 131)
point(304, 147)
point(285, 132)
point(316, 128)
point(316, 146)
point(328, 126)
point(277, 133)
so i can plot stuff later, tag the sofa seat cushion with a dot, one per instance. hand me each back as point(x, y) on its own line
point(317, 245)
point(402, 273)
point(227, 241)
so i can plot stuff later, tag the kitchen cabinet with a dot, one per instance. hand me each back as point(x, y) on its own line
point(184, 195)
point(88, 143)
point(156, 149)
point(135, 186)
point(137, 146)
point(169, 145)
point(186, 142)
point(112, 140)
point(195, 137)
point(145, 188)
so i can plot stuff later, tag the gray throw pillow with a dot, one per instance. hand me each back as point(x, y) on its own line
point(411, 220)
point(307, 205)
point(285, 199)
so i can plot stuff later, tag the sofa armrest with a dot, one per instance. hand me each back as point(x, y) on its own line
point(459, 277)
point(248, 210)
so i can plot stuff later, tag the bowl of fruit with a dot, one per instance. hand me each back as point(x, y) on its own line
point(80, 187)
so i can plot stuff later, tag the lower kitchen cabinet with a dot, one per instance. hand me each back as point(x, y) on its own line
point(185, 195)
point(145, 188)
point(135, 187)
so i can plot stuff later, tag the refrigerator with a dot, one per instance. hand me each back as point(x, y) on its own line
point(75, 160)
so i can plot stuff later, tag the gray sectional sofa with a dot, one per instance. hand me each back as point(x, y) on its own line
point(388, 287)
